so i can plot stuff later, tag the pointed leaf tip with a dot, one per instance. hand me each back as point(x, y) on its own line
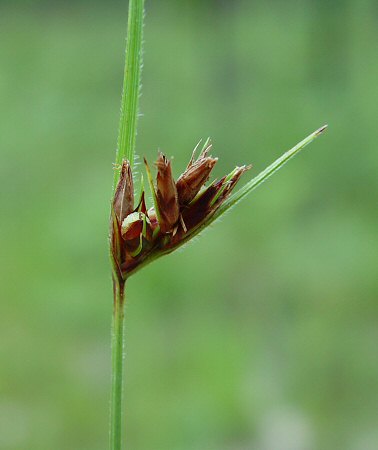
point(321, 129)
point(266, 173)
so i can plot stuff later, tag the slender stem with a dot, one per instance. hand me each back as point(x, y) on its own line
point(116, 401)
point(125, 150)
point(131, 85)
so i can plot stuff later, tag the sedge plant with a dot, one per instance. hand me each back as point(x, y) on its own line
point(181, 208)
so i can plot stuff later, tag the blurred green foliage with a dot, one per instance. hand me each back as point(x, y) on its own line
point(262, 335)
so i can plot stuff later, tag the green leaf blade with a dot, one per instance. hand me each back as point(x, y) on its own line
point(266, 173)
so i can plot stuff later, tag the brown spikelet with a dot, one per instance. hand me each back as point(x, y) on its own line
point(195, 176)
point(166, 195)
point(123, 202)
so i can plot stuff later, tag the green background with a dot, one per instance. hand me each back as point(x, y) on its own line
point(262, 334)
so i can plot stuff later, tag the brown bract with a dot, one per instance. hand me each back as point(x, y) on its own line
point(180, 209)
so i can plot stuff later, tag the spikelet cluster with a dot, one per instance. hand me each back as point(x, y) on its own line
point(180, 207)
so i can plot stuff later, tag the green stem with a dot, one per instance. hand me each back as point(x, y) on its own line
point(125, 150)
point(116, 401)
point(131, 86)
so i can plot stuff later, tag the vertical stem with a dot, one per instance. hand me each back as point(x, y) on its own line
point(131, 85)
point(125, 150)
point(116, 401)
